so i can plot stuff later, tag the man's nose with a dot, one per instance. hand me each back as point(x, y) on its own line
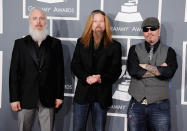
point(98, 23)
point(38, 21)
point(149, 31)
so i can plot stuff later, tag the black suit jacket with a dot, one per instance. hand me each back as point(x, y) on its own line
point(108, 66)
point(31, 80)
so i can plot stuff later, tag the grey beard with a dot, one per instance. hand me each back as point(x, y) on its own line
point(38, 35)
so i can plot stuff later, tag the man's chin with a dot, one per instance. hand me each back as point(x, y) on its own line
point(99, 31)
point(152, 42)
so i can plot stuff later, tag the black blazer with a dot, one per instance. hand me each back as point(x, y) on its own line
point(31, 81)
point(108, 66)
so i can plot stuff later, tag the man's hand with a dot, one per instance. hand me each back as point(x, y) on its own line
point(98, 77)
point(58, 103)
point(15, 106)
point(143, 66)
point(93, 79)
point(164, 64)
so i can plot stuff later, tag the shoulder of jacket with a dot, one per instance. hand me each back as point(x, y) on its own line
point(23, 38)
point(79, 43)
point(116, 42)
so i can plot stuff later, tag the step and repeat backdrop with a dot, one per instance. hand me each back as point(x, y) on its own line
point(66, 20)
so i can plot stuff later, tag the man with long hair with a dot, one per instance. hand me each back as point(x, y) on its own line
point(36, 75)
point(97, 65)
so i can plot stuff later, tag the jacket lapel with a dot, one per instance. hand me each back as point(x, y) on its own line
point(90, 55)
point(31, 49)
point(46, 45)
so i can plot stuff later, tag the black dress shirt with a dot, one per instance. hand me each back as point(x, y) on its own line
point(40, 51)
point(91, 97)
point(166, 72)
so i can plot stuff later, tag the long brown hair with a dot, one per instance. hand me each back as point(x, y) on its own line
point(87, 34)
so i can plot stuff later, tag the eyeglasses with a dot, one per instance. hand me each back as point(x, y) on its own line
point(146, 29)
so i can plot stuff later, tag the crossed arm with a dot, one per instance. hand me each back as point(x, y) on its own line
point(165, 71)
point(151, 70)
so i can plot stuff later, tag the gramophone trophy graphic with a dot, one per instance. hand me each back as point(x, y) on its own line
point(50, 1)
point(129, 12)
point(122, 90)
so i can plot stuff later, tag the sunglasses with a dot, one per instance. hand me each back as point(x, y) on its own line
point(146, 29)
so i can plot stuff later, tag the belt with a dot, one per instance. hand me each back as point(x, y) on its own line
point(144, 101)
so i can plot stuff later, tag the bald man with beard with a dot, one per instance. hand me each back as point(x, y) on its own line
point(36, 80)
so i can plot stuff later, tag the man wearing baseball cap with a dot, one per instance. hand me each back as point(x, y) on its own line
point(151, 65)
